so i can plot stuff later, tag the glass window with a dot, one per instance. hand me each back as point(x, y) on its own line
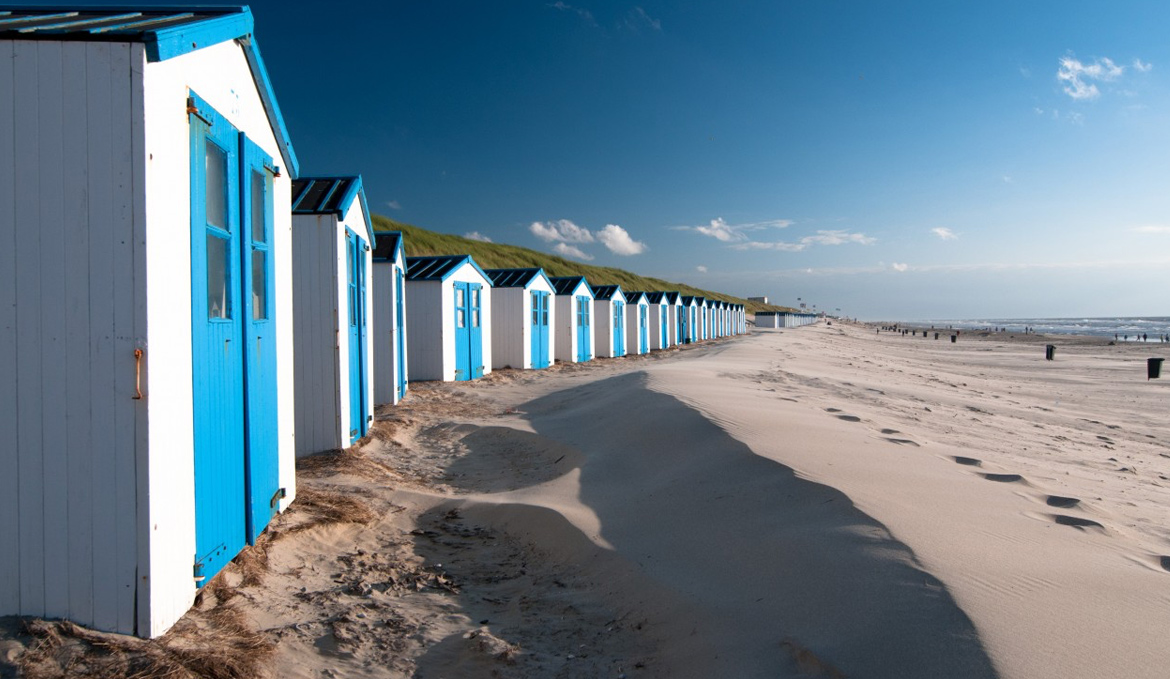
point(258, 208)
point(459, 298)
point(216, 161)
point(259, 285)
point(459, 318)
point(475, 317)
point(535, 308)
point(219, 303)
point(475, 298)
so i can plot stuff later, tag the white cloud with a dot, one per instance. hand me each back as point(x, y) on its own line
point(1151, 228)
point(637, 18)
point(619, 242)
point(773, 245)
point(945, 233)
point(900, 267)
point(1141, 67)
point(834, 237)
point(1076, 76)
point(475, 235)
point(566, 250)
point(701, 269)
point(566, 7)
point(719, 229)
point(393, 205)
point(561, 230)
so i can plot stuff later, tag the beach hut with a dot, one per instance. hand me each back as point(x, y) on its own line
point(388, 344)
point(769, 319)
point(449, 318)
point(574, 319)
point(609, 326)
point(637, 323)
point(522, 318)
point(703, 320)
point(146, 397)
point(660, 319)
point(332, 305)
point(688, 319)
point(673, 301)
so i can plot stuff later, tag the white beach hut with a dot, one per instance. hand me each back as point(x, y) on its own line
point(332, 302)
point(673, 301)
point(688, 319)
point(769, 319)
point(146, 394)
point(389, 298)
point(637, 323)
point(703, 324)
point(574, 319)
point(449, 318)
point(523, 317)
point(609, 324)
point(660, 320)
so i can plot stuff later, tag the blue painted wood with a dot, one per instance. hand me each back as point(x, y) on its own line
point(538, 337)
point(662, 325)
point(400, 337)
point(355, 248)
point(217, 342)
point(619, 329)
point(262, 468)
point(584, 331)
point(462, 332)
point(643, 328)
point(475, 331)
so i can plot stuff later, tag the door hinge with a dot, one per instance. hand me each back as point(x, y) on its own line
point(279, 495)
point(197, 572)
point(192, 109)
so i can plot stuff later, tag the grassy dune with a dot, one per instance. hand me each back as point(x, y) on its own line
point(421, 242)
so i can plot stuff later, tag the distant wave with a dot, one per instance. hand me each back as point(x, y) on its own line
point(1152, 326)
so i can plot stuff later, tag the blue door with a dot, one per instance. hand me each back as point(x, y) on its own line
point(643, 329)
point(583, 329)
point(538, 331)
point(468, 333)
point(262, 473)
point(619, 329)
point(664, 325)
point(400, 330)
point(359, 410)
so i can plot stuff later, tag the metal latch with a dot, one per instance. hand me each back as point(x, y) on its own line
point(279, 495)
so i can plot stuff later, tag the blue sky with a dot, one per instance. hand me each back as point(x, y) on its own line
point(894, 160)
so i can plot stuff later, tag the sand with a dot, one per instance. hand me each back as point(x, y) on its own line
point(823, 501)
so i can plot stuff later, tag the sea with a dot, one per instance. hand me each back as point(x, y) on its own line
point(1133, 328)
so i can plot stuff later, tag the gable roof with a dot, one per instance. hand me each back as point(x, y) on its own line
point(635, 297)
point(439, 267)
point(672, 296)
point(389, 246)
point(655, 297)
point(166, 32)
point(567, 285)
point(515, 278)
point(605, 292)
point(330, 195)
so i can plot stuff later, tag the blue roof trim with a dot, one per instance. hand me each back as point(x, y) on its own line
point(607, 292)
point(275, 119)
point(389, 246)
point(635, 297)
point(517, 278)
point(439, 268)
point(569, 285)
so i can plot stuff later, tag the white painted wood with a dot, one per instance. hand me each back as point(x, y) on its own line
point(317, 331)
point(603, 325)
point(566, 323)
point(9, 388)
point(634, 325)
point(430, 324)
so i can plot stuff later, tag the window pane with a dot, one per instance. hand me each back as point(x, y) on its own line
point(259, 285)
point(219, 303)
point(475, 298)
point(258, 207)
point(475, 317)
point(216, 186)
point(459, 298)
point(459, 322)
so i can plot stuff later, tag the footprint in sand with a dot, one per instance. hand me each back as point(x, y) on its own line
point(1004, 478)
point(849, 418)
point(1076, 522)
point(903, 442)
point(887, 432)
point(1062, 502)
point(969, 461)
point(832, 410)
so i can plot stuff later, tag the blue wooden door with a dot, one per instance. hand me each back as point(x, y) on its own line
point(619, 329)
point(643, 328)
point(400, 330)
point(468, 331)
point(538, 332)
point(217, 341)
point(663, 324)
point(359, 410)
point(475, 332)
point(262, 471)
point(583, 329)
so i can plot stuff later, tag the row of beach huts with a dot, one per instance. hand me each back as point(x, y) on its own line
point(182, 313)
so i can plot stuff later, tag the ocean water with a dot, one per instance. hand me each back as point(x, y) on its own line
point(1153, 326)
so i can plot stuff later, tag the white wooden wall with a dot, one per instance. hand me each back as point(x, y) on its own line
point(72, 311)
point(354, 219)
point(511, 331)
point(316, 262)
point(566, 325)
point(430, 325)
point(385, 350)
point(768, 321)
point(603, 328)
point(655, 320)
point(633, 326)
point(466, 274)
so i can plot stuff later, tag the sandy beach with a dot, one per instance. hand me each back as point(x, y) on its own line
point(819, 502)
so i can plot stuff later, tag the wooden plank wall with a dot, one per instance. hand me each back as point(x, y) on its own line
point(315, 319)
point(424, 330)
point(510, 316)
point(69, 317)
point(382, 340)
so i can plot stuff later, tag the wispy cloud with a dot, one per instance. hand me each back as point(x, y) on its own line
point(561, 231)
point(619, 242)
point(566, 7)
point(1151, 228)
point(900, 267)
point(393, 205)
point(475, 235)
point(834, 237)
point(944, 233)
point(1141, 67)
point(701, 269)
point(719, 229)
point(637, 18)
point(1078, 77)
point(566, 250)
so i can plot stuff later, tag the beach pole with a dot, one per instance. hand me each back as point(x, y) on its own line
point(1049, 352)
point(1153, 368)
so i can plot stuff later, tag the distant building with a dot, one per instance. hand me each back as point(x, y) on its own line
point(761, 300)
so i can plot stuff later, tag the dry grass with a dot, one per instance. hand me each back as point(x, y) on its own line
point(317, 507)
point(212, 644)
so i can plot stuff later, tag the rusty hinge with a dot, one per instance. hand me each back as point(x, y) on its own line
point(192, 109)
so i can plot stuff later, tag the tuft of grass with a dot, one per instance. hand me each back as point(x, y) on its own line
point(325, 508)
point(419, 242)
